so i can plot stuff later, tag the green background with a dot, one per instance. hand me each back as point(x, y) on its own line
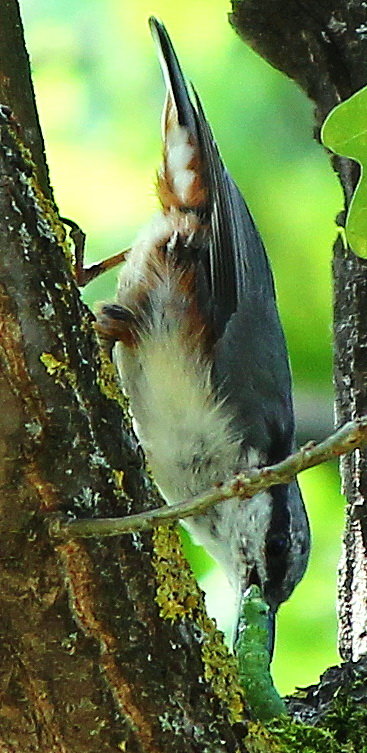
point(100, 94)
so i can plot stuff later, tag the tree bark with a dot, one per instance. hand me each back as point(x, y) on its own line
point(323, 47)
point(16, 88)
point(105, 645)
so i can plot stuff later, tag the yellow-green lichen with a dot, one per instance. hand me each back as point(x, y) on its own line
point(179, 597)
point(108, 383)
point(48, 211)
point(48, 221)
point(220, 669)
point(177, 593)
point(118, 477)
point(59, 370)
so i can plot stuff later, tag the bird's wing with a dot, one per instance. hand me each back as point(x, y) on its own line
point(251, 367)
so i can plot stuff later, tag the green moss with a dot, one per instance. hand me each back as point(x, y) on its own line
point(344, 730)
point(347, 719)
point(179, 597)
point(260, 740)
point(294, 737)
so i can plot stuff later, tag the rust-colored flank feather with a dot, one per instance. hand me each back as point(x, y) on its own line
point(181, 165)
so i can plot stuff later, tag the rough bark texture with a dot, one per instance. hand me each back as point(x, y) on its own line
point(104, 645)
point(16, 88)
point(323, 47)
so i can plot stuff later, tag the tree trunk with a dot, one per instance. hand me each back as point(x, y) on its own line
point(323, 47)
point(105, 645)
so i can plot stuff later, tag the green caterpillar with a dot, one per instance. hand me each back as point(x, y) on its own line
point(252, 652)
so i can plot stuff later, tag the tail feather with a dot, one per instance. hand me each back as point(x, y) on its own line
point(180, 182)
point(194, 177)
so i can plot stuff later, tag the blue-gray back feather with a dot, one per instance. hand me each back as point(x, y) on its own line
point(236, 289)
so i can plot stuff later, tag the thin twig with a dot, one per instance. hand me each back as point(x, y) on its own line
point(244, 485)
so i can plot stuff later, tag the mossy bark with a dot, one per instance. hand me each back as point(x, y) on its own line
point(88, 660)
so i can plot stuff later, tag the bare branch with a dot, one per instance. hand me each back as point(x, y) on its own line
point(243, 485)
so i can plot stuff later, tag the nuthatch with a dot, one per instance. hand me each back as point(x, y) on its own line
point(201, 353)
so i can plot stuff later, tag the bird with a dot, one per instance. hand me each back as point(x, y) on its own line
point(201, 353)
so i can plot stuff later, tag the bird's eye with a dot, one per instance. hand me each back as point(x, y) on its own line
point(277, 545)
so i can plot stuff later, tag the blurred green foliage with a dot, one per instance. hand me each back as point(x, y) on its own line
point(100, 95)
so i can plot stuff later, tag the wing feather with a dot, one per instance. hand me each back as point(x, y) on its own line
point(250, 369)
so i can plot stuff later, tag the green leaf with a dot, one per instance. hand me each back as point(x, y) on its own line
point(345, 132)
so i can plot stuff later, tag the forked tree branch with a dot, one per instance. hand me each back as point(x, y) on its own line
point(244, 485)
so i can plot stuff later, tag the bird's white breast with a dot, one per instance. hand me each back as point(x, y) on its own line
point(185, 433)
